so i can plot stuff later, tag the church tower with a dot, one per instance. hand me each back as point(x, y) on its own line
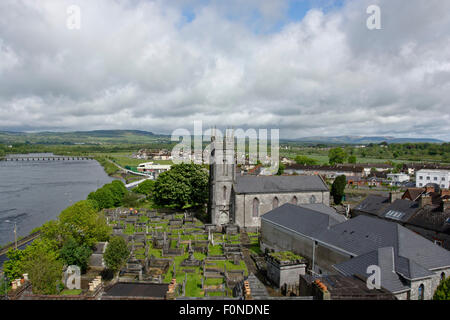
point(222, 175)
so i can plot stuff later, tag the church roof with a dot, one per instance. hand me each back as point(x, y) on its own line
point(278, 184)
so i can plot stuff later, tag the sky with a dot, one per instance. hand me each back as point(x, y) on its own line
point(308, 68)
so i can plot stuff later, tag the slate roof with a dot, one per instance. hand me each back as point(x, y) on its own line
point(408, 212)
point(399, 210)
point(414, 193)
point(125, 289)
point(432, 218)
point(278, 184)
point(303, 220)
point(320, 207)
point(372, 204)
point(384, 258)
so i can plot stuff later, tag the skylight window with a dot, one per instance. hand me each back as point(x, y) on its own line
point(395, 215)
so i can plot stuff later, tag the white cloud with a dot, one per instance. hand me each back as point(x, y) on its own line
point(141, 65)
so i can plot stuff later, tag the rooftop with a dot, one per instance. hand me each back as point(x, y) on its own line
point(275, 184)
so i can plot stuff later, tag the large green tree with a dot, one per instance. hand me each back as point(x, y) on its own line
point(337, 155)
point(337, 188)
point(110, 195)
point(352, 159)
point(73, 253)
point(13, 267)
point(115, 254)
point(44, 267)
point(305, 160)
point(443, 290)
point(145, 187)
point(83, 223)
point(103, 197)
point(184, 185)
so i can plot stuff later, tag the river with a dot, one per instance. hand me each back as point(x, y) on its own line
point(34, 192)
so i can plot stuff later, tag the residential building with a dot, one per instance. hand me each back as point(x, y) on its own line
point(425, 211)
point(397, 178)
point(153, 169)
point(439, 177)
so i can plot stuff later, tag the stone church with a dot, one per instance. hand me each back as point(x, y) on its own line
point(242, 199)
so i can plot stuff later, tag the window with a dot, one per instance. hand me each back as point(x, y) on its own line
point(421, 178)
point(442, 276)
point(420, 184)
point(421, 292)
point(294, 200)
point(224, 192)
point(443, 179)
point(435, 178)
point(428, 178)
point(312, 199)
point(255, 212)
point(442, 185)
point(275, 203)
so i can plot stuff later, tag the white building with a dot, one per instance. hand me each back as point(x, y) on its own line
point(397, 178)
point(440, 177)
point(154, 169)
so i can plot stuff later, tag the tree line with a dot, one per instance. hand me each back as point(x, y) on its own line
point(70, 240)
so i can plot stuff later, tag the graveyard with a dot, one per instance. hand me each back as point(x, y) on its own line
point(170, 247)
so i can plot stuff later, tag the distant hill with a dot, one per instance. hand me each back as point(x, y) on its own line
point(364, 139)
point(83, 137)
point(143, 137)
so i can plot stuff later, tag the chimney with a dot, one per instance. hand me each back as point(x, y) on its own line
point(445, 205)
point(424, 200)
point(394, 196)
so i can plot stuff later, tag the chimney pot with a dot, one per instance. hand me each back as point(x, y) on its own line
point(424, 200)
point(445, 204)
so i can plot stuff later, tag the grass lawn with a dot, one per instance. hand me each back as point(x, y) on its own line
point(215, 250)
point(255, 249)
point(214, 281)
point(74, 292)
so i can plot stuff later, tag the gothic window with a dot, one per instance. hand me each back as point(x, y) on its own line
point(255, 213)
point(224, 192)
point(312, 199)
point(421, 292)
point(275, 202)
point(294, 200)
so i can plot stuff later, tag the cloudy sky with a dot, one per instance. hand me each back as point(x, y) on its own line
point(306, 67)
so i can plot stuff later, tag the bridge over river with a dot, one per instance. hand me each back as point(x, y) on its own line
point(46, 158)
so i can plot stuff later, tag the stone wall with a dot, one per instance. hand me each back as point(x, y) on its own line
point(243, 204)
point(287, 274)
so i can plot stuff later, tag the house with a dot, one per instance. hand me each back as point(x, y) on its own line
point(439, 177)
point(425, 211)
point(325, 170)
point(397, 178)
point(154, 169)
point(411, 266)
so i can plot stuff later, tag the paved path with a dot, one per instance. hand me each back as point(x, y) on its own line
point(245, 241)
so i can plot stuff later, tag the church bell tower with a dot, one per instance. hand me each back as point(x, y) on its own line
point(221, 175)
